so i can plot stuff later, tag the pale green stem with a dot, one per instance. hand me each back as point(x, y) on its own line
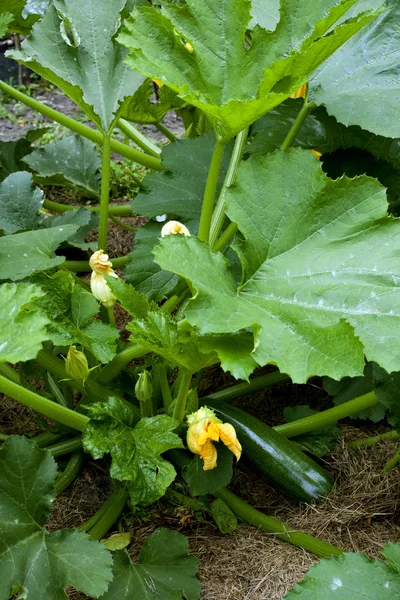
point(111, 316)
point(82, 266)
point(95, 136)
point(105, 192)
point(164, 385)
point(295, 128)
point(136, 136)
point(165, 131)
point(180, 406)
point(226, 237)
point(9, 372)
point(209, 192)
point(392, 462)
point(121, 224)
point(70, 473)
point(120, 361)
point(375, 439)
point(123, 210)
point(219, 211)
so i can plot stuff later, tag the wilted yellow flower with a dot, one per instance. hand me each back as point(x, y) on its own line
point(174, 227)
point(204, 429)
point(101, 266)
point(300, 93)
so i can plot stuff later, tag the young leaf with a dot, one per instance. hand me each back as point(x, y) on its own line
point(312, 292)
point(71, 310)
point(318, 442)
point(39, 563)
point(22, 325)
point(135, 449)
point(20, 202)
point(165, 571)
point(351, 575)
point(73, 159)
point(369, 78)
point(199, 51)
point(23, 253)
point(74, 47)
point(201, 482)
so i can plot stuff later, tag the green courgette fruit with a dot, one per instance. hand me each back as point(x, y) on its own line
point(274, 455)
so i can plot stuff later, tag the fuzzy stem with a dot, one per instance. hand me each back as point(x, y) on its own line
point(121, 210)
point(327, 417)
point(95, 136)
point(82, 266)
point(392, 462)
point(105, 192)
point(110, 512)
point(42, 405)
point(70, 473)
point(65, 447)
point(245, 389)
point(209, 192)
point(226, 237)
point(295, 128)
point(180, 406)
point(165, 131)
point(219, 211)
point(140, 140)
point(370, 441)
point(120, 361)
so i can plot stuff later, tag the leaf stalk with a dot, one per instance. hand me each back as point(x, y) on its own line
point(210, 189)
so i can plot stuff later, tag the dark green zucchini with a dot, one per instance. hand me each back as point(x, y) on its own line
point(274, 455)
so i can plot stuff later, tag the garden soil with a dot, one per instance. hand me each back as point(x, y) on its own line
point(360, 514)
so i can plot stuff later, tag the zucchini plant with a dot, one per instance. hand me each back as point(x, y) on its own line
point(272, 238)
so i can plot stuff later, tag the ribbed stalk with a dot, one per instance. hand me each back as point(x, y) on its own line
point(370, 441)
point(91, 134)
point(294, 130)
point(209, 192)
point(70, 473)
point(104, 192)
point(122, 210)
point(138, 138)
point(180, 406)
point(245, 389)
point(226, 237)
point(120, 361)
point(393, 462)
point(9, 372)
point(65, 447)
point(110, 513)
point(165, 131)
point(82, 266)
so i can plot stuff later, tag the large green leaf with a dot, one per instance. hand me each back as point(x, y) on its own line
point(22, 325)
point(23, 253)
point(201, 482)
point(165, 571)
point(36, 564)
point(351, 576)
point(24, 14)
point(135, 450)
point(20, 202)
point(359, 85)
point(86, 220)
point(74, 159)
point(71, 310)
point(232, 82)
point(265, 14)
point(74, 47)
point(321, 269)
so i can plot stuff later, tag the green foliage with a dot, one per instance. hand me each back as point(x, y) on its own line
point(135, 449)
point(368, 78)
point(12, 153)
point(265, 14)
point(5, 19)
point(165, 570)
point(309, 290)
point(85, 220)
point(24, 13)
point(352, 575)
point(201, 482)
point(76, 50)
point(318, 442)
point(224, 518)
point(22, 325)
point(22, 254)
point(33, 562)
point(141, 108)
point(73, 159)
point(20, 202)
point(234, 84)
point(71, 311)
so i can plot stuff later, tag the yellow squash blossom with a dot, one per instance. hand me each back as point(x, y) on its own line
point(101, 266)
point(204, 429)
point(174, 227)
point(300, 93)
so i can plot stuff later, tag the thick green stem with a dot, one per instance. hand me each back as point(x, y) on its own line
point(122, 210)
point(105, 192)
point(327, 417)
point(46, 438)
point(136, 136)
point(82, 266)
point(9, 372)
point(42, 405)
point(375, 439)
point(120, 361)
point(245, 389)
point(219, 211)
point(95, 136)
point(164, 385)
point(392, 462)
point(165, 131)
point(226, 237)
point(180, 406)
point(209, 192)
point(109, 513)
point(55, 390)
point(70, 472)
point(65, 447)
point(295, 128)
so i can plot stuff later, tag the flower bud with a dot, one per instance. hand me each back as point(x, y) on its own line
point(76, 364)
point(100, 289)
point(144, 387)
point(174, 227)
